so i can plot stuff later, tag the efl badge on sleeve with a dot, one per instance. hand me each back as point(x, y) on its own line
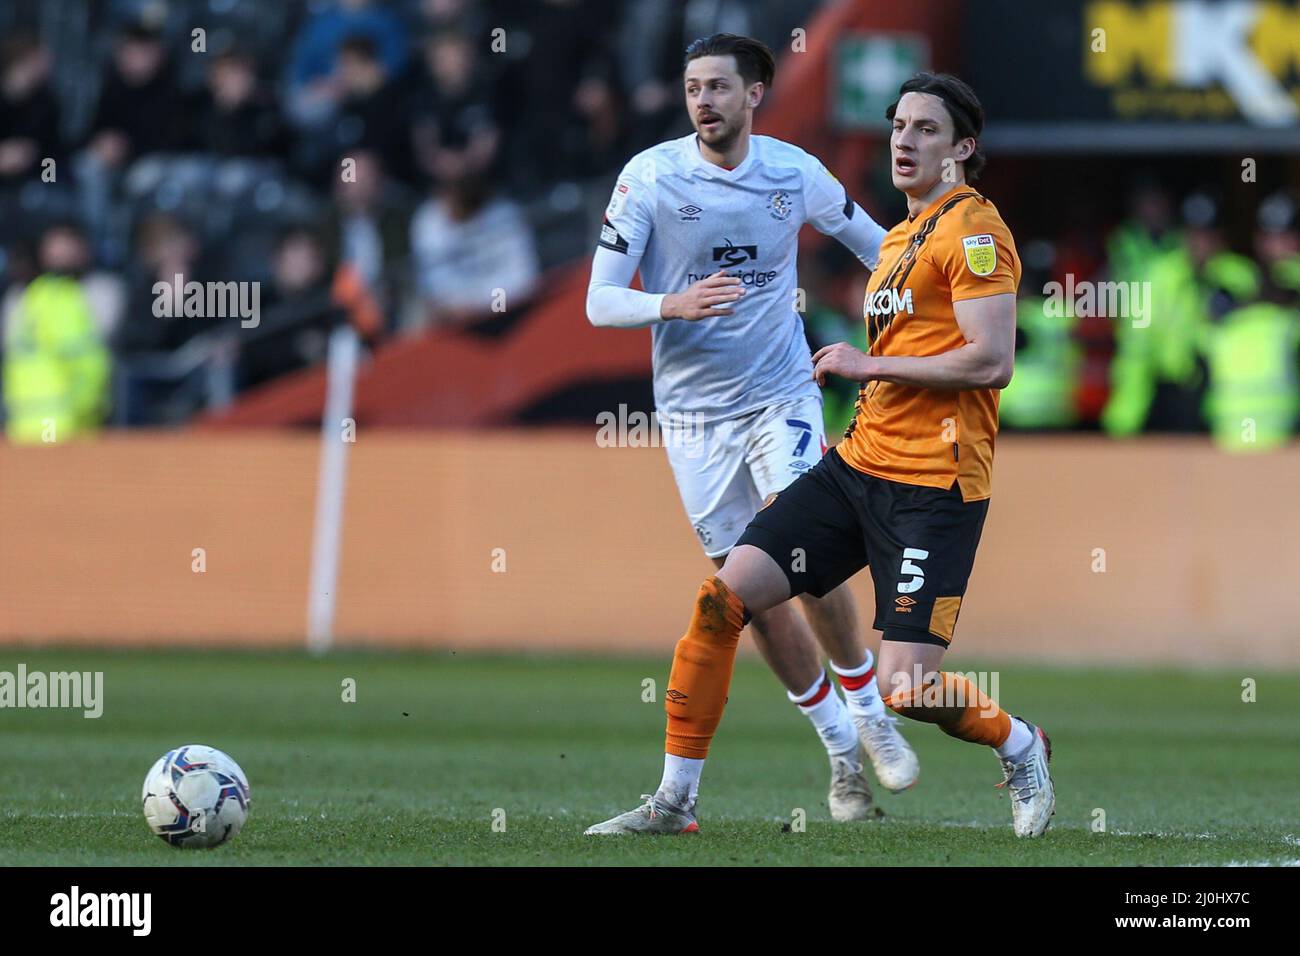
point(617, 202)
point(981, 254)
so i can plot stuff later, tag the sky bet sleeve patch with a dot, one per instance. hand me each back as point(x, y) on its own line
point(981, 254)
point(610, 239)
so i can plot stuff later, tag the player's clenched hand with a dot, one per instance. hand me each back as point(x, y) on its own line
point(703, 299)
point(840, 359)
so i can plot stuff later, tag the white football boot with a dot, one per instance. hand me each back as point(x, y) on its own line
point(850, 795)
point(892, 757)
point(656, 816)
point(1033, 798)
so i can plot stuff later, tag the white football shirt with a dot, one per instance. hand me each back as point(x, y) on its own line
point(680, 218)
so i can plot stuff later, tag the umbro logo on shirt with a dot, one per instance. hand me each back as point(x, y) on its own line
point(690, 212)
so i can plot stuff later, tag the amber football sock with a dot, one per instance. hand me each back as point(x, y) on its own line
point(959, 708)
point(701, 674)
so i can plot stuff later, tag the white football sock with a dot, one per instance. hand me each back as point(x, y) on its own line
point(681, 781)
point(1017, 741)
point(863, 698)
point(829, 716)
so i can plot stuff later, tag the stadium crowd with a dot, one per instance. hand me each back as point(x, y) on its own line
point(1160, 326)
point(382, 164)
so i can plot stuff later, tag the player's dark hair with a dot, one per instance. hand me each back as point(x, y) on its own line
point(754, 60)
point(963, 106)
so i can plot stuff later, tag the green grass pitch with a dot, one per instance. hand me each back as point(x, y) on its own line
point(438, 747)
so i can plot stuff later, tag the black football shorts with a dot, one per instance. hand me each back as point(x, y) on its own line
point(833, 520)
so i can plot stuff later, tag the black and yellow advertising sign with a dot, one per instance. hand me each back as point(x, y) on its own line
point(1162, 73)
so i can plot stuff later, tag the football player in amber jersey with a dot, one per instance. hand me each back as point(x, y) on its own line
point(906, 492)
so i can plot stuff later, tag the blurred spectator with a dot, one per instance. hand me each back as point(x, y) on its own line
point(372, 112)
point(297, 311)
point(237, 115)
point(600, 143)
point(141, 108)
point(578, 88)
point(1277, 245)
point(369, 228)
point(168, 251)
point(1158, 384)
point(650, 66)
point(1252, 351)
point(1043, 389)
point(63, 250)
point(56, 368)
point(467, 247)
point(454, 131)
point(1132, 250)
point(1146, 235)
point(1079, 249)
point(307, 298)
point(316, 86)
point(158, 348)
point(561, 110)
point(29, 112)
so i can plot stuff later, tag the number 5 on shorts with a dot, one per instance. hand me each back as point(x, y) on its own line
point(910, 557)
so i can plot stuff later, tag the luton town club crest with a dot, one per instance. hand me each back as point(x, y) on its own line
point(778, 204)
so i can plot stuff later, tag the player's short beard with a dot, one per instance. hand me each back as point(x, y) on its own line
point(725, 140)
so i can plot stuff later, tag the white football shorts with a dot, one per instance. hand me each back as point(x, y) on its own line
point(726, 469)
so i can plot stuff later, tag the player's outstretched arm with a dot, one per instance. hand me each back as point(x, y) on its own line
point(985, 361)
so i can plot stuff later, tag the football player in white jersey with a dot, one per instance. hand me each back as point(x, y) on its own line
point(712, 221)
